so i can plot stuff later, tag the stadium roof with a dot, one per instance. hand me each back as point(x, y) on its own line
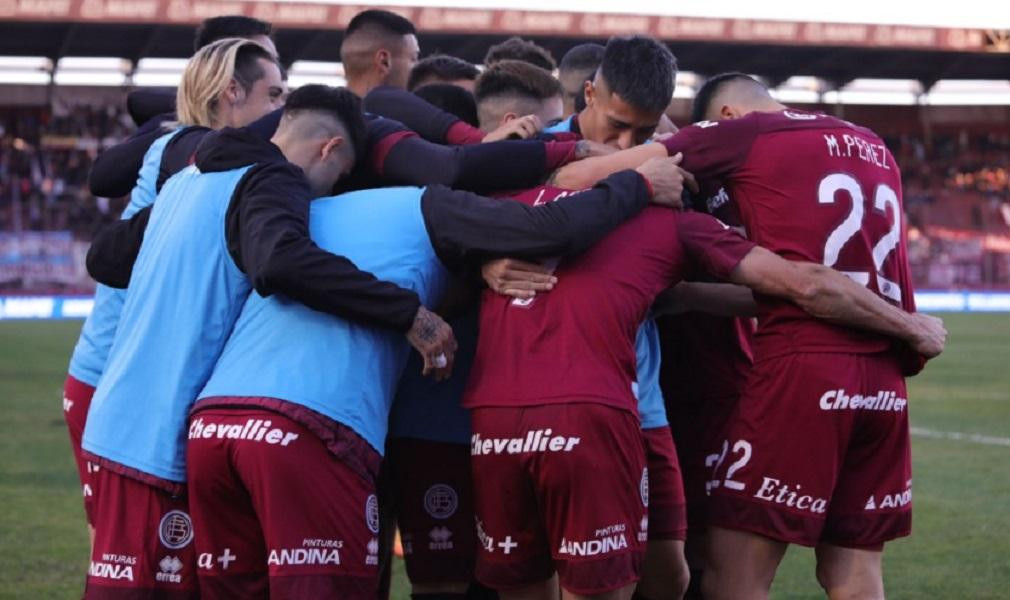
point(836, 52)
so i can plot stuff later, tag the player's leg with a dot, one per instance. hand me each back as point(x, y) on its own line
point(231, 550)
point(740, 565)
point(513, 554)
point(592, 489)
point(665, 573)
point(76, 400)
point(872, 501)
point(541, 590)
point(318, 510)
point(143, 542)
point(850, 573)
point(776, 468)
point(434, 505)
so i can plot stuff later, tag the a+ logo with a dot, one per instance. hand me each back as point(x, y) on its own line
point(226, 558)
point(507, 544)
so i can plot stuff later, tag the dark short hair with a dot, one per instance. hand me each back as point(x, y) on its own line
point(452, 99)
point(703, 99)
point(338, 102)
point(218, 28)
point(442, 67)
point(584, 57)
point(516, 78)
point(247, 66)
point(385, 20)
point(516, 48)
point(640, 70)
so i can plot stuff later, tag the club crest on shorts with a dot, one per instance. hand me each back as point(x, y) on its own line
point(175, 530)
point(372, 513)
point(441, 501)
point(643, 487)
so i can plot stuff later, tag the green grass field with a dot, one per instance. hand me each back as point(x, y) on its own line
point(960, 547)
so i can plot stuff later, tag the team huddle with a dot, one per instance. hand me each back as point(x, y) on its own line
point(508, 313)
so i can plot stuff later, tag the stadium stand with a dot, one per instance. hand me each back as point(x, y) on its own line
point(955, 159)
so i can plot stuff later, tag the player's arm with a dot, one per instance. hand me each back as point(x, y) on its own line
point(495, 166)
point(268, 237)
point(584, 173)
point(828, 294)
point(145, 106)
point(429, 121)
point(466, 229)
point(115, 170)
point(114, 250)
point(720, 299)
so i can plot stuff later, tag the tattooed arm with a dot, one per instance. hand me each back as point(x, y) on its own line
point(434, 341)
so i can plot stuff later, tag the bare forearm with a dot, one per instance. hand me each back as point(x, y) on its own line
point(834, 297)
point(585, 173)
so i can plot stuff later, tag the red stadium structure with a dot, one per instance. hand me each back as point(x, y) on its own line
point(921, 88)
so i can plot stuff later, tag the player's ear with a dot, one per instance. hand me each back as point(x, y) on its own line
point(727, 113)
point(331, 146)
point(383, 60)
point(509, 116)
point(589, 91)
point(233, 93)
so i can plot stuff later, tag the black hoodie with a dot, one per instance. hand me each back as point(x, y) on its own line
point(266, 228)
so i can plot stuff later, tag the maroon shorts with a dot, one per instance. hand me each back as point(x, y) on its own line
point(697, 425)
point(278, 514)
point(76, 400)
point(818, 451)
point(559, 487)
point(143, 542)
point(667, 516)
point(434, 508)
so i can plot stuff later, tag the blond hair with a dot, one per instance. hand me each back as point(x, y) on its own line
point(211, 71)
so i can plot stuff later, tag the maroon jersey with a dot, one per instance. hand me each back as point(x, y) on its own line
point(811, 188)
point(576, 343)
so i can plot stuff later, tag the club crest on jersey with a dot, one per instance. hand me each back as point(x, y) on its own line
point(175, 530)
point(372, 513)
point(441, 501)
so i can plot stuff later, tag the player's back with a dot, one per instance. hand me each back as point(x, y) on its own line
point(816, 188)
point(345, 370)
point(576, 342)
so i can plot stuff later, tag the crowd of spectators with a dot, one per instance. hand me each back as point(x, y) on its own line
point(956, 189)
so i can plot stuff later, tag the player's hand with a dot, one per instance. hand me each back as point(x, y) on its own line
point(667, 180)
point(516, 129)
point(516, 278)
point(931, 336)
point(433, 339)
point(589, 149)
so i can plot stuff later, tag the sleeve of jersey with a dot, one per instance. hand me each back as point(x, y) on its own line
point(114, 250)
point(466, 229)
point(479, 168)
point(268, 236)
point(143, 106)
point(115, 171)
point(430, 122)
point(713, 149)
point(710, 244)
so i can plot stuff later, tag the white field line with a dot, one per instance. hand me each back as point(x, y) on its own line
point(976, 438)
